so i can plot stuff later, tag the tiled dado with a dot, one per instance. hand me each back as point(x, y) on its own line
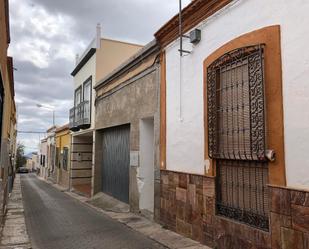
point(289, 218)
point(188, 207)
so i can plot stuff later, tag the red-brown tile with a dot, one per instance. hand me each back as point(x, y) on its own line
point(300, 218)
point(184, 228)
point(276, 222)
point(291, 239)
point(181, 194)
point(298, 197)
point(191, 195)
point(183, 180)
point(208, 187)
point(280, 201)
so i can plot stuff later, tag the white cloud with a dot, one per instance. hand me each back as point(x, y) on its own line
point(46, 35)
point(38, 29)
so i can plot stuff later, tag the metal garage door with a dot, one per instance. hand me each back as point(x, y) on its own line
point(116, 160)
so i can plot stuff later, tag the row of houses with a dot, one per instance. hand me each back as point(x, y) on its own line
point(53, 159)
point(32, 162)
point(204, 128)
point(8, 121)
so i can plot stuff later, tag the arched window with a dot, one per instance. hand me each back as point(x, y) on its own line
point(236, 105)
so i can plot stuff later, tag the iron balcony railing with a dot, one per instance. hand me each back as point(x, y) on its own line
point(72, 123)
point(80, 116)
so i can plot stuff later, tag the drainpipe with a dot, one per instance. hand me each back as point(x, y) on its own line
point(180, 61)
point(180, 27)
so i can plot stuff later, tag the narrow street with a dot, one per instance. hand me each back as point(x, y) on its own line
point(55, 220)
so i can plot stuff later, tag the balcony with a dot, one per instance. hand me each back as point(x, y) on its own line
point(80, 116)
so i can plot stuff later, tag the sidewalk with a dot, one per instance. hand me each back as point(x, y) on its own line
point(143, 225)
point(14, 233)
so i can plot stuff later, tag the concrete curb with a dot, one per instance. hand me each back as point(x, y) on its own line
point(14, 233)
point(141, 224)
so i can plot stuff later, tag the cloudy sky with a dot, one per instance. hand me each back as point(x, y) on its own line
point(46, 35)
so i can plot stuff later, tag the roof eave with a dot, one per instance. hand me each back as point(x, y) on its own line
point(85, 59)
point(192, 15)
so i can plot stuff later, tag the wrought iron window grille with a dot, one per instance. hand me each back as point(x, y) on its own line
point(236, 135)
point(242, 192)
point(235, 92)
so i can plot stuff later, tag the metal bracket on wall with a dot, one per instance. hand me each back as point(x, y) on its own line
point(184, 51)
point(181, 50)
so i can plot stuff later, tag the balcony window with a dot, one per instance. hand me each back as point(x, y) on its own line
point(80, 114)
point(78, 96)
point(87, 100)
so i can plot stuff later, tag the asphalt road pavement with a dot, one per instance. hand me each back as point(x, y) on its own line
point(57, 221)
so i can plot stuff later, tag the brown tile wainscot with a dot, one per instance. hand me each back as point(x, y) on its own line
point(188, 208)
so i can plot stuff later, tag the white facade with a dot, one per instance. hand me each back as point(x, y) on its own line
point(33, 162)
point(184, 98)
point(146, 161)
point(51, 147)
point(43, 152)
point(89, 69)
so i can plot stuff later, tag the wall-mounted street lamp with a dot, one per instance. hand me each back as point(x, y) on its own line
point(48, 108)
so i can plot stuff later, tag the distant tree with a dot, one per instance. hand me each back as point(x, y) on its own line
point(20, 156)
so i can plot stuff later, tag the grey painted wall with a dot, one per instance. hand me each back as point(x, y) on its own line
point(128, 104)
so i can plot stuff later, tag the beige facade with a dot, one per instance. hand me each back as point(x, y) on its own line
point(103, 59)
point(111, 54)
point(33, 162)
point(7, 109)
point(127, 106)
point(63, 151)
point(100, 58)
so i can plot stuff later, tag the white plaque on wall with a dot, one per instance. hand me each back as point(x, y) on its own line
point(134, 155)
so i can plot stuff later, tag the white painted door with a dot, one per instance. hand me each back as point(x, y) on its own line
point(146, 170)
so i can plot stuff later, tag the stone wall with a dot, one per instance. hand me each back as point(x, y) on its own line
point(188, 207)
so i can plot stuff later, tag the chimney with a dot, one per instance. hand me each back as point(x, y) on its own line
point(98, 38)
point(76, 58)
